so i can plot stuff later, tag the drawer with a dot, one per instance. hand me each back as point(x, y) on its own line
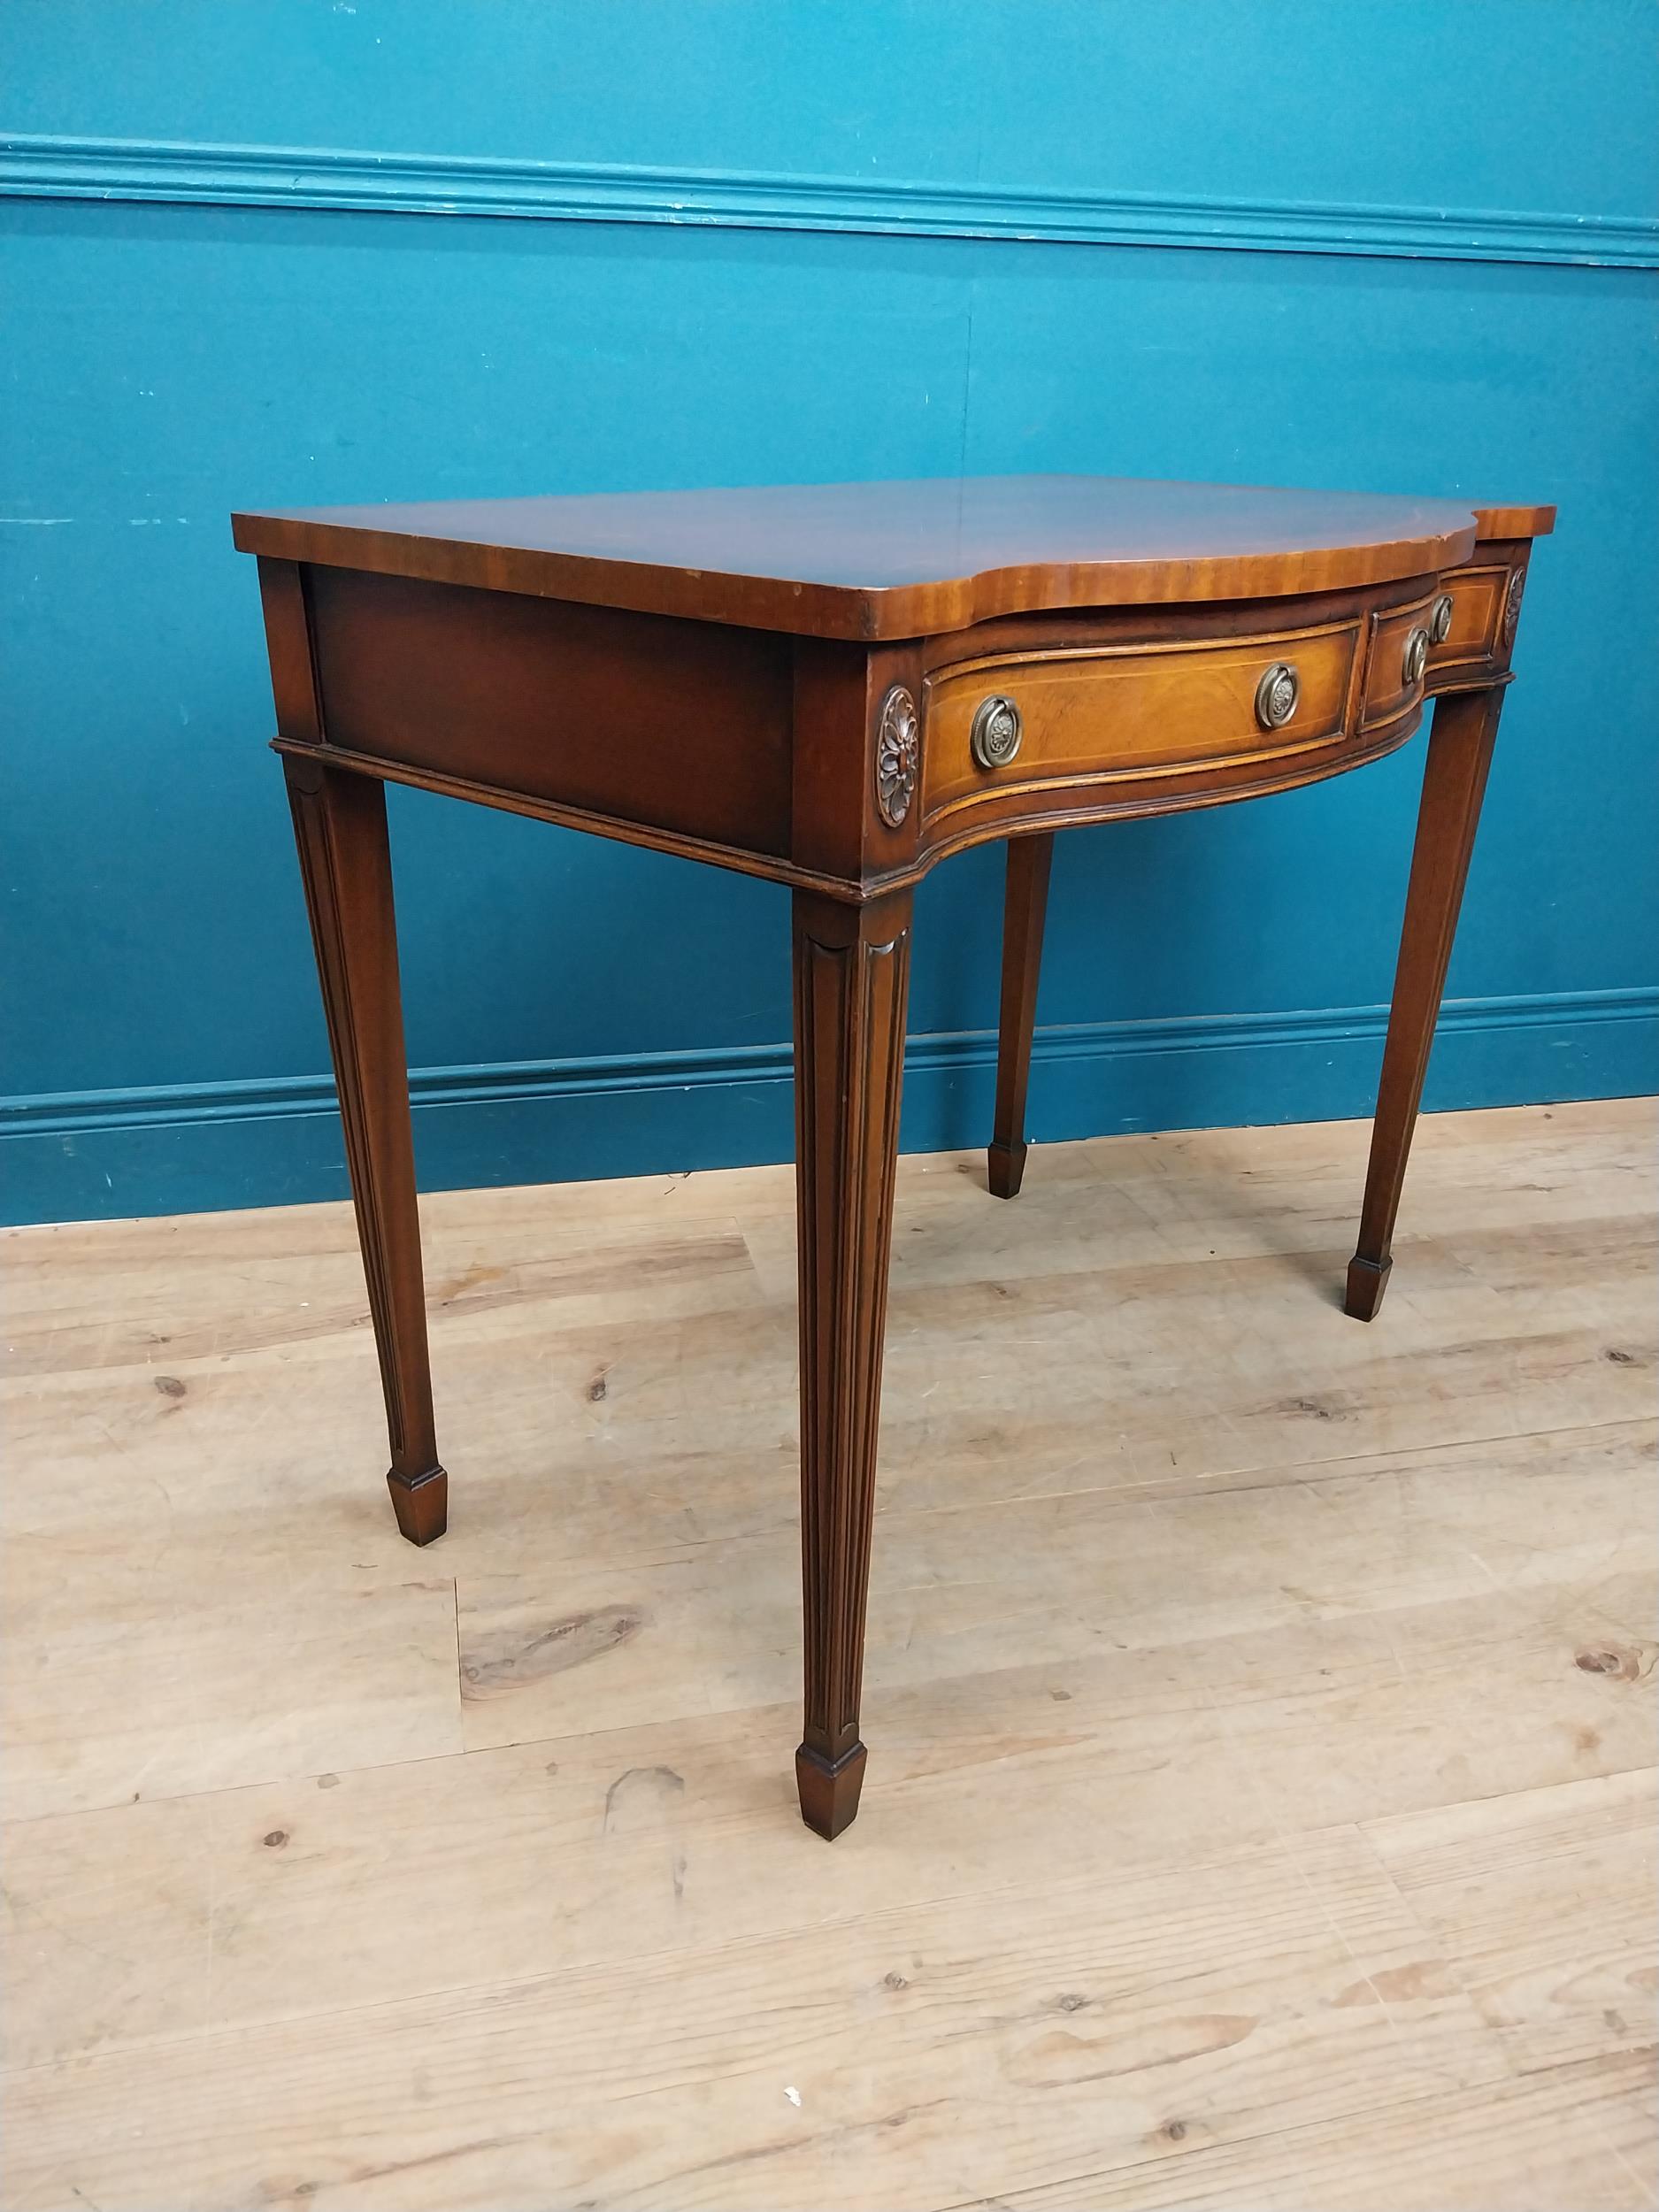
point(1477, 597)
point(1485, 599)
point(1397, 661)
point(1106, 711)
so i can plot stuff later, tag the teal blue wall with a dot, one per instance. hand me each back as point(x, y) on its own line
point(286, 252)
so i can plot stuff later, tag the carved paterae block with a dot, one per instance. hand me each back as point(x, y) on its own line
point(898, 756)
point(1512, 606)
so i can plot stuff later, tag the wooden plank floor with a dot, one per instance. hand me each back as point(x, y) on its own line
point(1260, 1807)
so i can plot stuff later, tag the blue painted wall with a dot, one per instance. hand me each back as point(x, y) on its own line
point(1385, 244)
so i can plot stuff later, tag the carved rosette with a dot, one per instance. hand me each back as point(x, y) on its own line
point(1512, 606)
point(898, 756)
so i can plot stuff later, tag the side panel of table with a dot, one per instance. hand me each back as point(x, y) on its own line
point(663, 730)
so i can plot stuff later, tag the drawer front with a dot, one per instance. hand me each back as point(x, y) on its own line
point(1397, 661)
point(1126, 710)
point(1486, 606)
point(1477, 595)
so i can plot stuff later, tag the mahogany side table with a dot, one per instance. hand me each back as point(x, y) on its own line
point(835, 686)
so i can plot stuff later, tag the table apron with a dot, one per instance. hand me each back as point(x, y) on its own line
point(730, 745)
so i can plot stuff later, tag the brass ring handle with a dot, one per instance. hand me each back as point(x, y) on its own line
point(1416, 657)
point(996, 731)
point(1440, 619)
point(1276, 695)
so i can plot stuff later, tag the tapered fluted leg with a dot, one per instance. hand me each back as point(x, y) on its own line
point(1025, 903)
point(1453, 781)
point(340, 825)
point(851, 971)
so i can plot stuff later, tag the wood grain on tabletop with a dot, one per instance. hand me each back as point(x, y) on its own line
point(881, 560)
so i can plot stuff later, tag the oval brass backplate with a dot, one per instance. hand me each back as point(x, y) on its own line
point(996, 731)
point(1276, 695)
